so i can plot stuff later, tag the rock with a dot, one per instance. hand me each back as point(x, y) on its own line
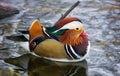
point(7, 10)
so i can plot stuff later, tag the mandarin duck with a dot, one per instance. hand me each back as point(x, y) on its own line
point(66, 41)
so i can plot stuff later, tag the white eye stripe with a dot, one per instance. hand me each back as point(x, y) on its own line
point(72, 25)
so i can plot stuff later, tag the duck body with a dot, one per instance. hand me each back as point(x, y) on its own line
point(65, 42)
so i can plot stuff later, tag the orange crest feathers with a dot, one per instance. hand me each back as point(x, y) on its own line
point(65, 21)
point(35, 30)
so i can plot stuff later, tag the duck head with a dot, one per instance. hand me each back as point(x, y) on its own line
point(69, 31)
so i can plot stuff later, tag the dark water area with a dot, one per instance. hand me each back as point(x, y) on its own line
point(101, 19)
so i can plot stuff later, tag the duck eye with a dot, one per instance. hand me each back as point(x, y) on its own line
point(77, 28)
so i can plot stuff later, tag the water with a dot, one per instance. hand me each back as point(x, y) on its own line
point(101, 20)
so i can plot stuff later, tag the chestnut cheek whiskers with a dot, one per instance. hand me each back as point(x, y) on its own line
point(71, 37)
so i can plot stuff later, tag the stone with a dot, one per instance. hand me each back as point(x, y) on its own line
point(7, 10)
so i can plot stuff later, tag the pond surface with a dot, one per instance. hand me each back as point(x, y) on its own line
point(101, 20)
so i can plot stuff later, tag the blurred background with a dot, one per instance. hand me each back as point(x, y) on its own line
point(101, 19)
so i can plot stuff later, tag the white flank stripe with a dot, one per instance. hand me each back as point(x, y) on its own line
point(73, 51)
point(68, 51)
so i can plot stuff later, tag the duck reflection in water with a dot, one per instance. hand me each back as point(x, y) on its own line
point(37, 66)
